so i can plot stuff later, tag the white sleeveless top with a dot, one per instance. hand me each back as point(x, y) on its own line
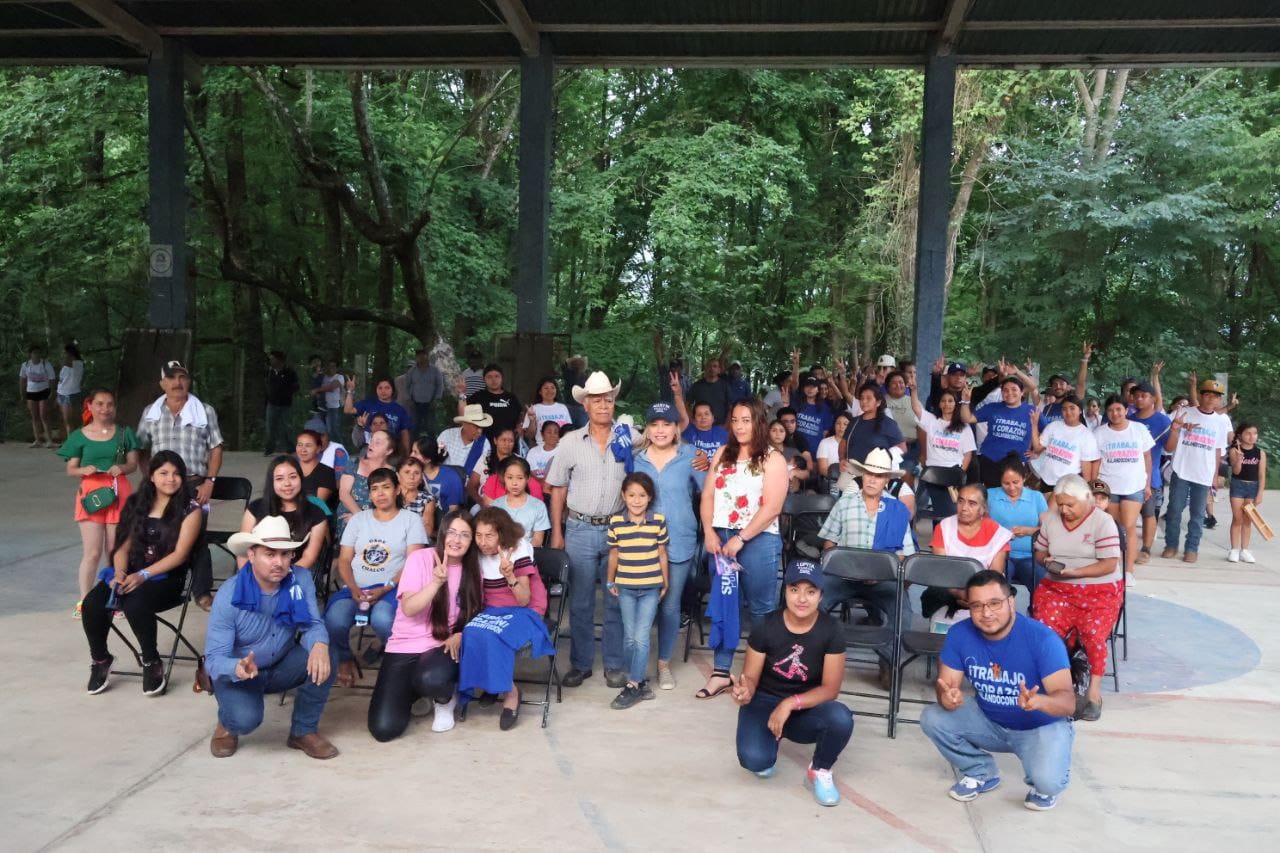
point(956, 547)
point(738, 495)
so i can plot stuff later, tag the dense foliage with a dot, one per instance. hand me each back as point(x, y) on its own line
point(733, 212)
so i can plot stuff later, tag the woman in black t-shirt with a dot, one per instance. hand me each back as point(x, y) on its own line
point(789, 684)
point(283, 495)
point(317, 478)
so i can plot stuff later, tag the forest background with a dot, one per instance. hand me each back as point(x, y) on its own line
point(743, 213)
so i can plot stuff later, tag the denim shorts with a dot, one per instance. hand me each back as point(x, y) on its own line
point(1137, 497)
point(1246, 489)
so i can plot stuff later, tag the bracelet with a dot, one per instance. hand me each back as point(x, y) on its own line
point(799, 704)
point(389, 584)
point(964, 402)
point(146, 575)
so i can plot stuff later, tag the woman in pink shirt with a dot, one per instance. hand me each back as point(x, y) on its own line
point(440, 591)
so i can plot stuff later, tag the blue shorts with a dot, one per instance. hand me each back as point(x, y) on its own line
point(1137, 497)
point(1245, 489)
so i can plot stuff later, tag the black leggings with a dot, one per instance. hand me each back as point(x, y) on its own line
point(140, 608)
point(402, 680)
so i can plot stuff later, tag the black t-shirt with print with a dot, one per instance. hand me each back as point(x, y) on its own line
point(504, 408)
point(793, 662)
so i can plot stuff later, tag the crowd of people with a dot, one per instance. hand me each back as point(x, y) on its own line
point(424, 542)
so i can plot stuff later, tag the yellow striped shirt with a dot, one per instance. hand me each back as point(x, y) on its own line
point(637, 546)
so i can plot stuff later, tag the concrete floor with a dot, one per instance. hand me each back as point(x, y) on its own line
point(1189, 763)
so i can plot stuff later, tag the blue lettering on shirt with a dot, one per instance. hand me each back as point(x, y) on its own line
point(1028, 653)
point(1008, 430)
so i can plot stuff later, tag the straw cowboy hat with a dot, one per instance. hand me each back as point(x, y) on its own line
point(878, 461)
point(597, 383)
point(474, 414)
point(271, 532)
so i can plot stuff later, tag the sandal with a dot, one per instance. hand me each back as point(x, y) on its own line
point(703, 693)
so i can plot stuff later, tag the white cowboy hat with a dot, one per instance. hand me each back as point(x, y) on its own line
point(878, 461)
point(474, 414)
point(271, 532)
point(597, 383)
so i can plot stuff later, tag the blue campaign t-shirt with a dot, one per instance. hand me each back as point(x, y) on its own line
point(446, 487)
point(397, 418)
point(1028, 653)
point(813, 420)
point(706, 440)
point(863, 436)
point(1008, 430)
point(1158, 425)
point(1050, 413)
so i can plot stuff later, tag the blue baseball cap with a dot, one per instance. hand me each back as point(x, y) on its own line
point(803, 570)
point(661, 411)
point(956, 367)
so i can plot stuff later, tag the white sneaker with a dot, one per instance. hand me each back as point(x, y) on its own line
point(443, 720)
point(1233, 556)
point(1246, 556)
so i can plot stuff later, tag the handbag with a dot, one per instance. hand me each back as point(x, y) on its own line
point(100, 498)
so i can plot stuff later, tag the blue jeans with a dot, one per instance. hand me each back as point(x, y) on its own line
point(240, 703)
point(340, 615)
point(760, 560)
point(1180, 492)
point(940, 500)
point(333, 420)
point(829, 726)
point(588, 566)
point(1025, 571)
point(637, 608)
point(669, 609)
point(966, 738)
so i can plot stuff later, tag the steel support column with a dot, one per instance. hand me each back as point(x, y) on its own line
point(936, 127)
point(166, 159)
point(537, 74)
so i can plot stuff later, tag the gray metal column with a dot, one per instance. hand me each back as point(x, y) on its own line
point(936, 128)
point(537, 74)
point(167, 171)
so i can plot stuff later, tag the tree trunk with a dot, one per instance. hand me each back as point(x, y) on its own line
point(381, 333)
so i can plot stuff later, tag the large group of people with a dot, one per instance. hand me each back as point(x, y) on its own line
point(425, 543)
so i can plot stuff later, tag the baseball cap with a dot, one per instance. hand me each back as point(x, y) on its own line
point(317, 425)
point(172, 369)
point(1145, 387)
point(1058, 376)
point(811, 380)
point(1212, 386)
point(803, 570)
point(1099, 488)
point(887, 360)
point(661, 411)
point(956, 367)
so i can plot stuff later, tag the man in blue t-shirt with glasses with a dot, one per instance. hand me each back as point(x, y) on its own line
point(1023, 698)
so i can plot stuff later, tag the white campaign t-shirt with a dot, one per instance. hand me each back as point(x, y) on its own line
point(539, 459)
point(945, 449)
point(1065, 449)
point(333, 399)
point(39, 375)
point(543, 412)
point(829, 449)
point(70, 378)
point(1201, 435)
point(1123, 468)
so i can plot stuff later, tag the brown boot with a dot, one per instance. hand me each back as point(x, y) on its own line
point(1189, 557)
point(223, 744)
point(885, 676)
point(315, 745)
point(1143, 557)
point(1168, 553)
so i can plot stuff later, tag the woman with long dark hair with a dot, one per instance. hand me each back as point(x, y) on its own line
point(484, 483)
point(158, 529)
point(70, 379)
point(945, 442)
point(442, 481)
point(440, 591)
point(318, 479)
point(741, 501)
point(874, 428)
point(283, 495)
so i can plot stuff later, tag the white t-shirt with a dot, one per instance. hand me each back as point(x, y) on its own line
point(829, 449)
point(70, 378)
point(539, 459)
point(543, 412)
point(39, 375)
point(333, 399)
point(1194, 456)
point(945, 449)
point(491, 566)
point(1065, 449)
point(1123, 468)
point(381, 546)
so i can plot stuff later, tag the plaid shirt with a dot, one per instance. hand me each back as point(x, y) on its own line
point(849, 526)
point(593, 477)
point(191, 443)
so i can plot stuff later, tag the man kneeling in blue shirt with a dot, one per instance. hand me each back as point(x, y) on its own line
point(1024, 700)
point(266, 636)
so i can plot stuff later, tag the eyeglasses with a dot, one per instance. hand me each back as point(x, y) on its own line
point(988, 606)
point(457, 534)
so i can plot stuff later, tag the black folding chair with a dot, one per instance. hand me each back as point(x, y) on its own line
point(938, 476)
point(926, 570)
point(232, 490)
point(553, 566)
point(802, 518)
point(859, 565)
point(178, 637)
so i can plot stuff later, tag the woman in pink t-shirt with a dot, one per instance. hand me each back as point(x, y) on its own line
point(440, 591)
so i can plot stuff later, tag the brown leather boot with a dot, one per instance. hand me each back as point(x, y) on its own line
point(315, 745)
point(223, 744)
point(1189, 557)
point(1168, 553)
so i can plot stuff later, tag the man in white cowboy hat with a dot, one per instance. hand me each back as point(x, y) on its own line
point(868, 517)
point(586, 489)
point(458, 444)
point(266, 636)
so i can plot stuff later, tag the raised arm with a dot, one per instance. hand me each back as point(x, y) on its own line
point(677, 399)
point(1155, 383)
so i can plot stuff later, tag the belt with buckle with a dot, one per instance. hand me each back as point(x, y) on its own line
point(597, 520)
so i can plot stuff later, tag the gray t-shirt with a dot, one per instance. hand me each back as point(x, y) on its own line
point(381, 546)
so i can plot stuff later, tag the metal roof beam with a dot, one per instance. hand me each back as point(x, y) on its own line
point(520, 24)
point(129, 29)
point(952, 22)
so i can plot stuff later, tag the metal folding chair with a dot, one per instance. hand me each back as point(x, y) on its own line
point(178, 637)
point(938, 476)
point(553, 566)
point(926, 570)
point(858, 565)
point(236, 491)
point(802, 518)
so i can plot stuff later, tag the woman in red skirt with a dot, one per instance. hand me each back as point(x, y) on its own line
point(1079, 545)
point(100, 454)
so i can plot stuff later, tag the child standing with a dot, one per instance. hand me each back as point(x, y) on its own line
point(1248, 482)
point(638, 578)
point(526, 510)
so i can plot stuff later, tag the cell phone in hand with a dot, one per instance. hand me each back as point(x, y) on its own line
point(1055, 566)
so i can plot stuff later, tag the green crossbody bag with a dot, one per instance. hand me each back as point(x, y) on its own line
point(100, 498)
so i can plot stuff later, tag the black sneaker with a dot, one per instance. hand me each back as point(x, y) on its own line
point(615, 678)
point(628, 697)
point(1210, 522)
point(646, 692)
point(575, 677)
point(153, 680)
point(100, 675)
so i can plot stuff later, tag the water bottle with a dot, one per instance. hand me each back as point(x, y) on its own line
point(362, 615)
